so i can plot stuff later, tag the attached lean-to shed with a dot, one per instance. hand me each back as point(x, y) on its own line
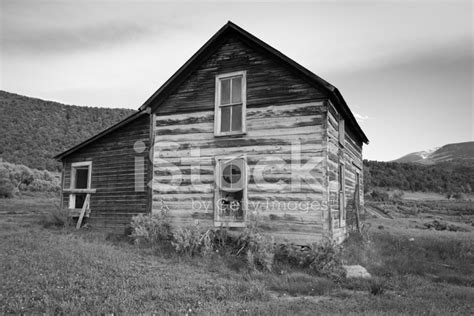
point(240, 135)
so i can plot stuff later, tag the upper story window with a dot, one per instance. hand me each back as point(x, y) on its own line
point(231, 97)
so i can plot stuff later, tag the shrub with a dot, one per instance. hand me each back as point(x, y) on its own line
point(55, 218)
point(376, 286)
point(398, 194)
point(459, 196)
point(7, 189)
point(379, 196)
point(191, 241)
point(258, 249)
point(326, 260)
point(152, 229)
point(323, 259)
point(187, 240)
point(40, 185)
point(21, 178)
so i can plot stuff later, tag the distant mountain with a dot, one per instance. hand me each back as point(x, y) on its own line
point(32, 131)
point(418, 156)
point(447, 153)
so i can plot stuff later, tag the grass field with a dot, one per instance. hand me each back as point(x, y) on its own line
point(59, 270)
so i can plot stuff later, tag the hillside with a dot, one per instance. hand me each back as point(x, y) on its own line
point(444, 177)
point(34, 130)
point(450, 152)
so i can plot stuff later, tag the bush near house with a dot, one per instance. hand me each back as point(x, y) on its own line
point(257, 251)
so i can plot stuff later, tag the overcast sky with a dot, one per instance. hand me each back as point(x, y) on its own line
point(404, 67)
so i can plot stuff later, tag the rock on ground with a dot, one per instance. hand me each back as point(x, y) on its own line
point(356, 271)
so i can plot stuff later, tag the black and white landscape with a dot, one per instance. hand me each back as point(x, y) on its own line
point(236, 158)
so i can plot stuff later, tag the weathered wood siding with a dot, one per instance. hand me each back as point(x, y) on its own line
point(272, 131)
point(268, 82)
point(350, 154)
point(114, 172)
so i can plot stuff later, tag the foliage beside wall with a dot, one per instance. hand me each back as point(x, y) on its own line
point(256, 250)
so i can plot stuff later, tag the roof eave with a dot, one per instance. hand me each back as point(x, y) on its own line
point(123, 122)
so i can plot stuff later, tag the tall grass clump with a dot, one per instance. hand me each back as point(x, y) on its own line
point(321, 259)
point(250, 247)
point(55, 218)
point(153, 229)
point(259, 250)
point(191, 241)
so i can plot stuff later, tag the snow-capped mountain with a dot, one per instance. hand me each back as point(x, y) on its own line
point(449, 152)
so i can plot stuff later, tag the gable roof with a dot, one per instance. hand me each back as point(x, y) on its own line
point(211, 45)
point(203, 53)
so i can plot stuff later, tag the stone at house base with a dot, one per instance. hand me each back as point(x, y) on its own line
point(356, 271)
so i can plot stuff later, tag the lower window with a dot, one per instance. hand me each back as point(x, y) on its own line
point(80, 179)
point(230, 207)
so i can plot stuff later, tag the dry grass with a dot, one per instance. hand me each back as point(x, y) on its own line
point(60, 271)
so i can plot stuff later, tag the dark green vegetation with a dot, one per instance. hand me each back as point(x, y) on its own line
point(446, 177)
point(33, 131)
point(59, 270)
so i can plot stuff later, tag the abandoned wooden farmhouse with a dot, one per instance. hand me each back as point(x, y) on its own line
point(240, 135)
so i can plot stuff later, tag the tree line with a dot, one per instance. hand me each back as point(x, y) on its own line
point(19, 178)
point(446, 177)
point(33, 131)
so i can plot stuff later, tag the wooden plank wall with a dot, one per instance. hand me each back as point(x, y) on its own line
point(268, 83)
point(113, 174)
point(351, 155)
point(272, 131)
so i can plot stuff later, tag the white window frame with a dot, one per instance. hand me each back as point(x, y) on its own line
point(74, 167)
point(218, 106)
point(218, 222)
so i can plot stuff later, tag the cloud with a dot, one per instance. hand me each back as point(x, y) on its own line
point(51, 27)
point(361, 118)
point(59, 40)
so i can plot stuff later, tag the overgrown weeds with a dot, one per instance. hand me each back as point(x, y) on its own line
point(256, 250)
point(259, 250)
point(321, 259)
point(55, 218)
point(151, 229)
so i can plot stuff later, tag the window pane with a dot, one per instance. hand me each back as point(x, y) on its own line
point(82, 176)
point(231, 174)
point(225, 91)
point(237, 90)
point(236, 118)
point(225, 119)
point(80, 199)
point(230, 207)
